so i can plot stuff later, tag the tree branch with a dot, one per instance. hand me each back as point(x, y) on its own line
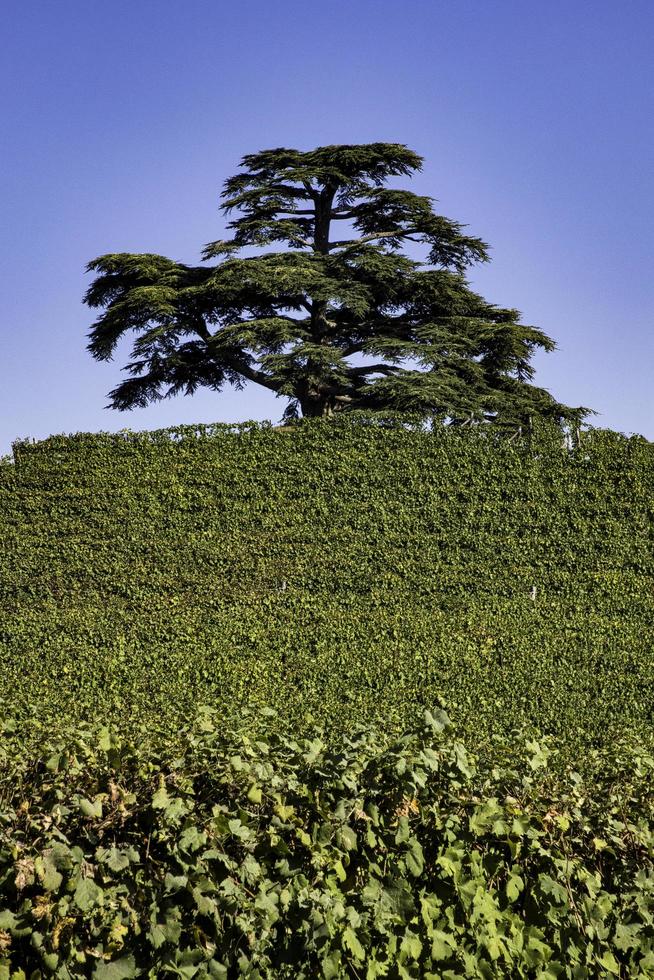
point(252, 374)
point(238, 365)
point(202, 330)
point(287, 189)
point(373, 369)
point(355, 242)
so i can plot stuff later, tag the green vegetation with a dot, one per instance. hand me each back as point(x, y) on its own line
point(268, 857)
point(356, 572)
point(298, 319)
point(212, 640)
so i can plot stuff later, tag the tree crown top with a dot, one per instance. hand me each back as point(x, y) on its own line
point(290, 196)
point(335, 166)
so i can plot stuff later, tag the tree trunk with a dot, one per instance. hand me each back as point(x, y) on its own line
point(314, 404)
point(318, 406)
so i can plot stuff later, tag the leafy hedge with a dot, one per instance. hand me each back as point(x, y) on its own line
point(349, 570)
point(258, 855)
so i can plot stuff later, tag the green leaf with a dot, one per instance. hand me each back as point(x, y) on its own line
point(438, 720)
point(283, 812)
point(609, 962)
point(514, 886)
point(331, 965)
point(351, 942)
point(122, 969)
point(104, 740)
point(341, 873)
point(174, 883)
point(91, 808)
point(8, 920)
point(254, 794)
point(87, 894)
point(116, 858)
point(347, 838)
point(160, 799)
point(46, 869)
point(218, 971)
point(415, 859)
point(411, 946)
point(442, 945)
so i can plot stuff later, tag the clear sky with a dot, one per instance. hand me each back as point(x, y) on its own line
point(121, 120)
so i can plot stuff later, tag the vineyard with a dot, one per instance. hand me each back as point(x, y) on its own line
point(352, 572)
point(225, 653)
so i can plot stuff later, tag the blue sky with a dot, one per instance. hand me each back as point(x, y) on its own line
point(120, 121)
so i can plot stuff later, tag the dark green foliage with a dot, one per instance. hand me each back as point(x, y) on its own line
point(264, 856)
point(336, 320)
point(353, 571)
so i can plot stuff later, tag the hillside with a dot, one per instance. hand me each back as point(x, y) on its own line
point(353, 572)
point(158, 586)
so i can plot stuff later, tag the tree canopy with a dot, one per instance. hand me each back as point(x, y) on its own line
point(329, 312)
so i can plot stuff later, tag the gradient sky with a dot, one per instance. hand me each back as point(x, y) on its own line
point(121, 120)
